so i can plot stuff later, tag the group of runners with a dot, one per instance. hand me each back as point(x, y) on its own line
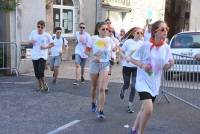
point(142, 58)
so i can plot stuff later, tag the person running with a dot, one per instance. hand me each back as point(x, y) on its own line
point(41, 42)
point(151, 58)
point(99, 67)
point(56, 52)
point(129, 70)
point(115, 41)
point(121, 34)
point(83, 38)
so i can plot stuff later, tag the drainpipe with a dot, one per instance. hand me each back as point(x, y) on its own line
point(96, 12)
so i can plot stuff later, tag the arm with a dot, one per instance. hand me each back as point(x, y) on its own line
point(169, 60)
point(138, 63)
point(47, 47)
point(168, 66)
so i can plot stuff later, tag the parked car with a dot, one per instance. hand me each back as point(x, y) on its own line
point(184, 46)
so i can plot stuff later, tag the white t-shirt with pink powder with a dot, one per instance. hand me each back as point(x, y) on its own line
point(157, 57)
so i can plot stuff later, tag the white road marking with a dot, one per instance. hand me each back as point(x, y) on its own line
point(64, 127)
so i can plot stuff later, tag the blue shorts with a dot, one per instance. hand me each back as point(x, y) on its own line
point(80, 61)
point(54, 61)
point(97, 67)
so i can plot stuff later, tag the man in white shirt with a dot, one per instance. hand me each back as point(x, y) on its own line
point(41, 42)
point(83, 38)
point(55, 52)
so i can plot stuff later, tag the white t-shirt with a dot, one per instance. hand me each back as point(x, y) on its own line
point(41, 40)
point(157, 57)
point(116, 43)
point(129, 47)
point(58, 44)
point(102, 47)
point(83, 39)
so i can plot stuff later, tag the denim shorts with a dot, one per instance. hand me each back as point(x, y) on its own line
point(54, 61)
point(80, 61)
point(97, 67)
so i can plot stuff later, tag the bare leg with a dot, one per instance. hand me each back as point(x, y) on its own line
point(145, 115)
point(94, 81)
point(103, 77)
point(77, 72)
point(56, 73)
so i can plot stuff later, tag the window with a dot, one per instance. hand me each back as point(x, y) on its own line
point(63, 15)
point(186, 40)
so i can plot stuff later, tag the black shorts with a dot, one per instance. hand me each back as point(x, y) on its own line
point(145, 96)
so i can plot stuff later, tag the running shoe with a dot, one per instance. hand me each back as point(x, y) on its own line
point(82, 79)
point(130, 107)
point(122, 94)
point(94, 107)
point(100, 115)
point(75, 83)
point(130, 110)
point(133, 132)
point(45, 87)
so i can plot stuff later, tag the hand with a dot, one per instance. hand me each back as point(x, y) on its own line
point(168, 66)
point(197, 57)
point(127, 58)
point(33, 42)
point(43, 47)
point(147, 68)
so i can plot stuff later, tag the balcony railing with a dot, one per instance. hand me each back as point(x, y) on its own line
point(118, 2)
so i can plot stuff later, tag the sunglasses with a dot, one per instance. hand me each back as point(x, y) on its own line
point(139, 33)
point(163, 29)
point(41, 27)
point(108, 22)
point(104, 29)
point(82, 27)
point(58, 32)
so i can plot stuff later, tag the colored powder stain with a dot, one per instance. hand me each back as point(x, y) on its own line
point(100, 44)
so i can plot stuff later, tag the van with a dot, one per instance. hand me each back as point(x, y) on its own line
point(184, 46)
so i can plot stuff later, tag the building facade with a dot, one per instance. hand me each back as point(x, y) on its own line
point(16, 26)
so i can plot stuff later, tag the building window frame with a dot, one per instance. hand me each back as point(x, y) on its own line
point(61, 8)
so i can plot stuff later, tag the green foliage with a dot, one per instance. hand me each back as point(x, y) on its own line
point(8, 5)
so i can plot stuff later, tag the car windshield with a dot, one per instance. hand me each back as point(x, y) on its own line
point(186, 40)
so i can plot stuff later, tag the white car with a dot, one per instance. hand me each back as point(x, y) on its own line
point(184, 46)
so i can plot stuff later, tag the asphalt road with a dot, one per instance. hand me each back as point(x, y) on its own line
point(66, 110)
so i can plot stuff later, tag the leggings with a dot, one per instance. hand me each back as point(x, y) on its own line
point(39, 67)
point(129, 72)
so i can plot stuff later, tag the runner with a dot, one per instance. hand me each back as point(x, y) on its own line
point(55, 52)
point(83, 38)
point(41, 42)
point(99, 67)
point(151, 58)
point(129, 70)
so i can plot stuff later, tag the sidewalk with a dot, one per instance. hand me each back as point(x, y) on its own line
point(67, 70)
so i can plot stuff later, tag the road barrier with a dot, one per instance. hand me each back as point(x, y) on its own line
point(182, 81)
point(8, 53)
